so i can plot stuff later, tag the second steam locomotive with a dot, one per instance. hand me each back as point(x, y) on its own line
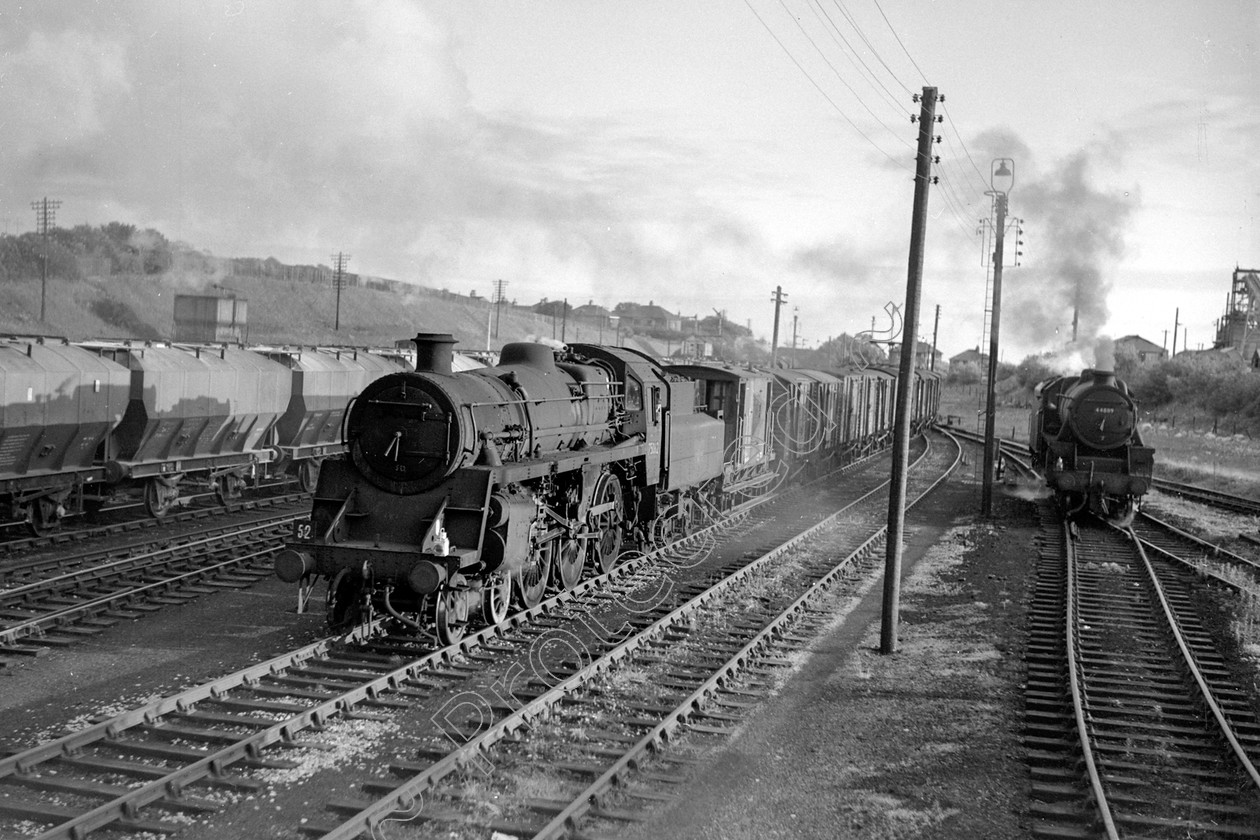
point(1084, 438)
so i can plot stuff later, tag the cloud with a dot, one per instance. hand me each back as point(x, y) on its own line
point(59, 90)
point(293, 129)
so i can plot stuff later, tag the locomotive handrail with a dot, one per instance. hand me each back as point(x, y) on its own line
point(345, 415)
point(527, 401)
point(340, 515)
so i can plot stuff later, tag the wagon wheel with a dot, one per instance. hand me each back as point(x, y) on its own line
point(345, 600)
point(228, 488)
point(496, 595)
point(569, 563)
point(605, 519)
point(159, 497)
point(308, 474)
point(44, 517)
point(450, 615)
point(667, 527)
point(677, 522)
point(531, 578)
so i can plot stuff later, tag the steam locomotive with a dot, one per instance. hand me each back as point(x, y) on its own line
point(1084, 438)
point(463, 493)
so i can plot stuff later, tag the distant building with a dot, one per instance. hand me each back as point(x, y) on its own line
point(591, 312)
point(1145, 351)
point(970, 357)
point(650, 318)
point(696, 348)
point(210, 318)
point(923, 356)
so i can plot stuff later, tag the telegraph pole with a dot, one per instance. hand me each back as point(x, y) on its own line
point(45, 215)
point(990, 411)
point(1176, 327)
point(1002, 179)
point(936, 326)
point(499, 286)
point(340, 261)
point(778, 298)
point(794, 324)
point(905, 375)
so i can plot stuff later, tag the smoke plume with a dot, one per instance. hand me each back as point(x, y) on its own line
point(1104, 353)
point(1079, 230)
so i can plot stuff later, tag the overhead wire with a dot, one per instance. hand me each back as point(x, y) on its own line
point(964, 176)
point(841, 78)
point(966, 151)
point(922, 75)
point(871, 46)
point(819, 88)
point(850, 53)
point(960, 192)
point(958, 209)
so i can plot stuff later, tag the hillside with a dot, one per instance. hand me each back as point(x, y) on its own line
point(279, 312)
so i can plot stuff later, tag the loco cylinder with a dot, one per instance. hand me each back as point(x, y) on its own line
point(1098, 410)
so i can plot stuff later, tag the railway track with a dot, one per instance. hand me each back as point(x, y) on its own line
point(92, 591)
point(698, 672)
point(1136, 724)
point(15, 546)
point(220, 735)
point(1178, 545)
point(1203, 495)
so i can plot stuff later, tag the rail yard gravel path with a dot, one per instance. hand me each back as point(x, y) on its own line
point(923, 743)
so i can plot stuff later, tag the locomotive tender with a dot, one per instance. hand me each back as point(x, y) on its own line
point(465, 492)
point(1084, 438)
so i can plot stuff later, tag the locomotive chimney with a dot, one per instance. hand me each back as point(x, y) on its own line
point(434, 352)
point(1104, 378)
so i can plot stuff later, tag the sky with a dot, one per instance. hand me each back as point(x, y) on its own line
point(694, 154)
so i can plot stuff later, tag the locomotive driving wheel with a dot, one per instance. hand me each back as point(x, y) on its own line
point(531, 578)
point(604, 519)
point(496, 595)
point(569, 563)
point(450, 615)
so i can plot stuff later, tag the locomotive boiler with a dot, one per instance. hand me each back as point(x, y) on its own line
point(1083, 436)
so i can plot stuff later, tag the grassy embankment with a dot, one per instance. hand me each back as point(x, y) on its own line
point(279, 312)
